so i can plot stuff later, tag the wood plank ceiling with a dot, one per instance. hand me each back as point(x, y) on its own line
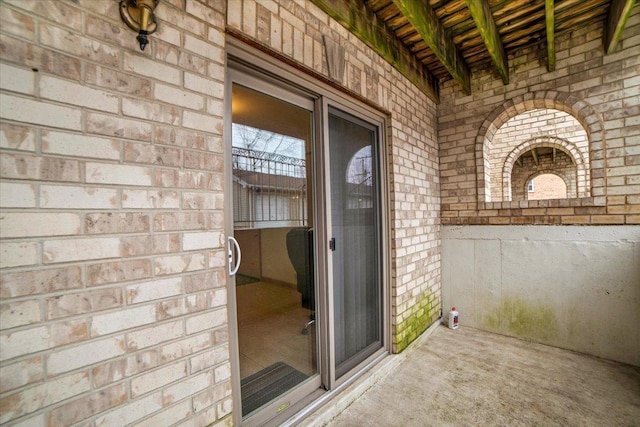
point(452, 38)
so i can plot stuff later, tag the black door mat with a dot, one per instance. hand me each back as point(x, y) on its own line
point(267, 384)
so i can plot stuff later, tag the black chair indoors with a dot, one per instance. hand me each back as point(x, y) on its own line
point(300, 250)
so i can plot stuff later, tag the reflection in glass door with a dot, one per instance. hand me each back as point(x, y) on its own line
point(355, 240)
point(272, 215)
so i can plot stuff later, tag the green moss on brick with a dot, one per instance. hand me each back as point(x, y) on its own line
point(422, 315)
point(361, 21)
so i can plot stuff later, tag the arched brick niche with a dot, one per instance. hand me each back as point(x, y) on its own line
point(571, 166)
point(583, 112)
point(555, 188)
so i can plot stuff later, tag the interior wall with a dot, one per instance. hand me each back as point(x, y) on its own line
point(276, 265)
point(251, 263)
point(265, 255)
point(568, 286)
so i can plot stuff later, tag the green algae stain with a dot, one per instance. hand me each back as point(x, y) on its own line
point(422, 316)
point(523, 319)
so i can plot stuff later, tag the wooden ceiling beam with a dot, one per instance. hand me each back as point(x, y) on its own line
point(360, 20)
point(534, 153)
point(424, 19)
point(481, 14)
point(619, 12)
point(554, 155)
point(551, 34)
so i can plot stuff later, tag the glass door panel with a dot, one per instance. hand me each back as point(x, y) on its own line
point(272, 215)
point(355, 239)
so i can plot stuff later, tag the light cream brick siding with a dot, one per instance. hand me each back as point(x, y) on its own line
point(295, 30)
point(547, 186)
point(527, 127)
point(604, 89)
point(562, 167)
point(113, 299)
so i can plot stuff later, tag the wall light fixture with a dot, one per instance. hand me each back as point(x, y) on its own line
point(139, 16)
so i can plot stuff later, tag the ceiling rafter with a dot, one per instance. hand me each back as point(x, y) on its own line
point(448, 39)
point(360, 20)
point(420, 14)
point(534, 153)
point(619, 12)
point(481, 14)
point(551, 34)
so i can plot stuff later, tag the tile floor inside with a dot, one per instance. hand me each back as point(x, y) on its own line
point(270, 323)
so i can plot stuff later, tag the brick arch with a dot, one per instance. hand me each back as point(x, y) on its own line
point(582, 167)
point(582, 111)
point(563, 177)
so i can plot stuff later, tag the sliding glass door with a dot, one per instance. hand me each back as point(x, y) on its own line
point(274, 282)
point(306, 266)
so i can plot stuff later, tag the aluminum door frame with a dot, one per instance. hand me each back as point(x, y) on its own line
point(264, 67)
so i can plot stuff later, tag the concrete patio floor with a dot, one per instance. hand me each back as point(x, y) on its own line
point(467, 377)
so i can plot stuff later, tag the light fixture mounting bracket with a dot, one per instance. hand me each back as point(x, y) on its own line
point(139, 16)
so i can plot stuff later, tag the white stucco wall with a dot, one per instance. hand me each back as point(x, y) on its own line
point(568, 286)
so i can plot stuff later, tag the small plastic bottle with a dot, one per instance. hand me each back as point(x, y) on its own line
point(453, 318)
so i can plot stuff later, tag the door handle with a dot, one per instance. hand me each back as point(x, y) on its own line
point(233, 269)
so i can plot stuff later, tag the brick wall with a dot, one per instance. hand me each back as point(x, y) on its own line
point(600, 91)
point(532, 126)
point(295, 30)
point(546, 186)
point(113, 291)
point(114, 305)
point(562, 167)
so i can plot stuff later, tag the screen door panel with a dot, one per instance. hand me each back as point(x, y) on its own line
point(355, 239)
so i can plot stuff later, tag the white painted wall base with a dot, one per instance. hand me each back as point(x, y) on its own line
point(574, 287)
